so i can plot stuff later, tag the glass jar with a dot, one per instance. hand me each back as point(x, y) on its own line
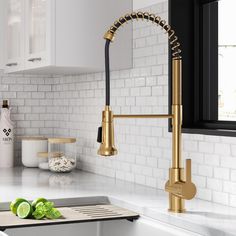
point(43, 160)
point(61, 154)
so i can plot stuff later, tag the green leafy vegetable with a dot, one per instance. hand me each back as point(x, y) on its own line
point(53, 214)
point(38, 200)
point(48, 206)
point(46, 210)
point(38, 214)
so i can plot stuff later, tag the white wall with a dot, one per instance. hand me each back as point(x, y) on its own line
point(138, 4)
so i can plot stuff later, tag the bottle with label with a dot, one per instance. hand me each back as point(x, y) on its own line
point(6, 137)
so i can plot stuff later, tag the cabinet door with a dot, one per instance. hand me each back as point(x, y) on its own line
point(2, 33)
point(14, 55)
point(38, 33)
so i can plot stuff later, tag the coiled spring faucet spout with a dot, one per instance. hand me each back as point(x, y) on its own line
point(179, 186)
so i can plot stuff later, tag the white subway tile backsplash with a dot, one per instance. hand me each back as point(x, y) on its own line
point(17, 117)
point(233, 175)
point(206, 147)
point(24, 109)
point(190, 145)
point(157, 70)
point(214, 139)
point(44, 88)
point(233, 150)
point(212, 159)
point(39, 109)
point(196, 157)
point(214, 184)
point(151, 182)
point(140, 179)
point(232, 200)
point(219, 197)
point(37, 124)
point(229, 187)
point(29, 88)
point(200, 181)
point(228, 140)
point(222, 149)
point(163, 163)
point(16, 88)
point(205, 194)
point(222, 173)
point(8, 95)
point(204, 170)
point(38, 95)
point(31, 117)
point(228, 162)
point(31, 102)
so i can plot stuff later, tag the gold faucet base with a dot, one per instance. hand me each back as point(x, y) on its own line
point(177, 211)
point(176, 204)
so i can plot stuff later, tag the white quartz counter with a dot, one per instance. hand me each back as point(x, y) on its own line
point(202, 217)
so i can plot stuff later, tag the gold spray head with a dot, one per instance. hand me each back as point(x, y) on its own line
point(106, 134)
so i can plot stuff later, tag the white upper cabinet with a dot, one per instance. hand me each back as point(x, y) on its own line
point(64, 36)
point(37, 33)
point(2, 33)
point(14, 33)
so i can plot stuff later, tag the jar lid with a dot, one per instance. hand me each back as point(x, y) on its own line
point(42, 154)
point(51, 154)
point(62, 140)
point(33, 138)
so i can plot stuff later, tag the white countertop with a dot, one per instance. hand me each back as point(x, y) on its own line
point(202, 217)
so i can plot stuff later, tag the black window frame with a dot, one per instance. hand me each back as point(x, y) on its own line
point(196, 25)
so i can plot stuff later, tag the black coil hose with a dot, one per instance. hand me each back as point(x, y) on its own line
point(173, 40)
point(107, 72)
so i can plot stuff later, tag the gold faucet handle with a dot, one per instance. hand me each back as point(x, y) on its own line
point(188, 167)
point(183, 189)
point(189, 189)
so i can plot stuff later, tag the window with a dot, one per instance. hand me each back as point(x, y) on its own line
point(204, 28)
point(227, 62)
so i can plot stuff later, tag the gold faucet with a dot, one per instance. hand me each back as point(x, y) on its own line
point(179, 186)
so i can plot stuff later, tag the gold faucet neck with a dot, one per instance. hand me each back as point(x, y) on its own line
point(173, 39)
point(176, 81)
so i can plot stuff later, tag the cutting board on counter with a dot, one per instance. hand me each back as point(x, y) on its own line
point(75, 214)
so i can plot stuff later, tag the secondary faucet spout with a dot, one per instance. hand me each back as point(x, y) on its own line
point(179, 186)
